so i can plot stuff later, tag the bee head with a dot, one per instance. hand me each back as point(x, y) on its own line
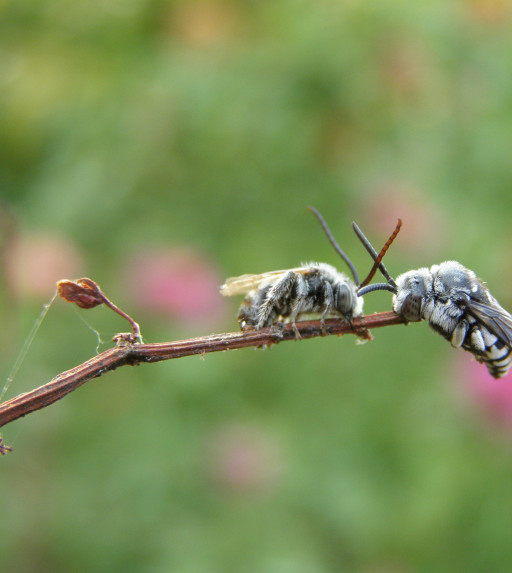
point(412, 288)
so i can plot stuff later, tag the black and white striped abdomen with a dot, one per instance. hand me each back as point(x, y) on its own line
point(465, 331)
point(485, 346)
point(498, 359)
point(488, 348)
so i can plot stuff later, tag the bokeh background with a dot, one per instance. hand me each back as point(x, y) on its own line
point(159, 146)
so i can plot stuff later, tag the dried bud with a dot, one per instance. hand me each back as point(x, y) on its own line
point(85, 293)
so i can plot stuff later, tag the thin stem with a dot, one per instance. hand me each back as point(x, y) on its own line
point(128, 353)
point(135, 325)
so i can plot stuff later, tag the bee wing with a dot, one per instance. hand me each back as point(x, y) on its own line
point(494, 317)
point(245, 283)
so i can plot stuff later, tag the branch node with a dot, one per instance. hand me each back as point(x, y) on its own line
point(125, 339)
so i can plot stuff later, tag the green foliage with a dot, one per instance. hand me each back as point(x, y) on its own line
point(206, 128)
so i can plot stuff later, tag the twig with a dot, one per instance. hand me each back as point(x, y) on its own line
point(128, 352)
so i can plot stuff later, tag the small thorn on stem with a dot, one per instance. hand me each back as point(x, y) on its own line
point(85, 293)
point(3, 448)
point(277, 332)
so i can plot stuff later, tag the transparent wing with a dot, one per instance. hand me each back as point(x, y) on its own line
point(494, 317)
point(245, 283)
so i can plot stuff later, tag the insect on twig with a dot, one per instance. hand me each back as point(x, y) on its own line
point(456, 304)
point(313, 288)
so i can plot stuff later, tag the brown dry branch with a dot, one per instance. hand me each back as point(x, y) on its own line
point(129, 352)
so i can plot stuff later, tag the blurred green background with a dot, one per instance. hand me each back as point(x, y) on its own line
point(161, 146)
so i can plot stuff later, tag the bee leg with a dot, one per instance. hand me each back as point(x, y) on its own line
point(329, 302)
point(296, 330)
point(459, 334)
point(301, 287)
point(477, 340)
point(275, 296)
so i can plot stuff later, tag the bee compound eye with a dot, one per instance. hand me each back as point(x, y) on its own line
point(411, 308)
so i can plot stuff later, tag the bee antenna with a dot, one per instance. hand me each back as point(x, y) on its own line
point(378, 257)
point(377, 286)
point(381, 254)
point(333, 242)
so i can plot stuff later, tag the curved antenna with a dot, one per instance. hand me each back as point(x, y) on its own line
point(373, 253)
point(376, 286)
point(381, 254)
point(333, 242)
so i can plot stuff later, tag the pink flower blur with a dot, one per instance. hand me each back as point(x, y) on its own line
point(493, 397)
point(34, 263)
point(390, 200)
point(243, 458)
point(178, 283)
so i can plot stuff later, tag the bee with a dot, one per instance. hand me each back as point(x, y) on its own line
point(456, 304)
point(313, 288)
